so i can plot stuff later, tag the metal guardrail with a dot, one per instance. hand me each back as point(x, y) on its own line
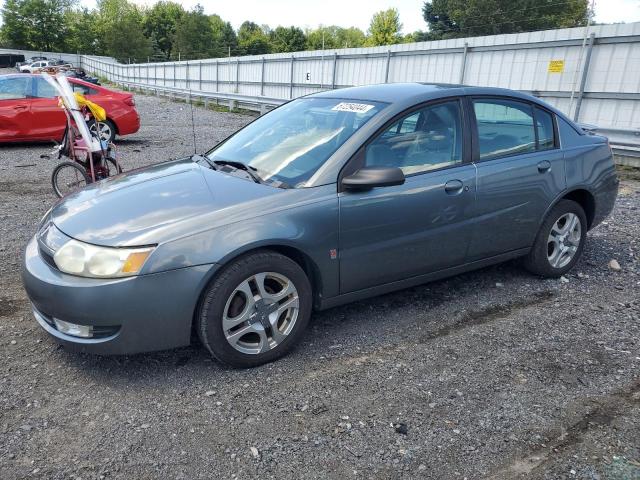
point(233, 100)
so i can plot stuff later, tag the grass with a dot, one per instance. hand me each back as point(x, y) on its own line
point(628, 173)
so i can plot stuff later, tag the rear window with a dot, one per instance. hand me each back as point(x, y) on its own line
point(83, 89)
point(546, 134)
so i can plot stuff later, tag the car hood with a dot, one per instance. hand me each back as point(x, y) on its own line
point(156, 204)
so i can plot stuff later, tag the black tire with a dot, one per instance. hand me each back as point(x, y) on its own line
point(76, 172)
point(220, 292)
point(111, 126)
point(538, 260)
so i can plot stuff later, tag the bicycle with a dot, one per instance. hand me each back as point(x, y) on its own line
point(90, 158)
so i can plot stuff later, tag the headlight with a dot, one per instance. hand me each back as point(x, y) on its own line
point(87, 260)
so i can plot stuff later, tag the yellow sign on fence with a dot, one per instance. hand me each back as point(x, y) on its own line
point(556, 66)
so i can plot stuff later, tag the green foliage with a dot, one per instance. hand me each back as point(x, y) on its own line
point(83, 32)
point(120, 28)
point(194, 36)
point(466, 18)
point(35, 24)
point(252, 39)
point(385, 28)
point(14, 31)
point(334, 37)
point(160, 25)
point(225, 38)
point(287, 39)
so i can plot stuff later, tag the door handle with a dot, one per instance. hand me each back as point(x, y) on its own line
point(20, 107)
point(454, 187)
point(544, 166)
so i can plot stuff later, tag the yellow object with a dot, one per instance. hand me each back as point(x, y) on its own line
point(556, 66)
point(96, 110)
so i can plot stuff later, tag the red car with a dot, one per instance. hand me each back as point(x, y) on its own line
point(29, 109)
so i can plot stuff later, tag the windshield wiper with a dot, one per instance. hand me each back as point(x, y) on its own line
point(241, 166)
point(196, 157)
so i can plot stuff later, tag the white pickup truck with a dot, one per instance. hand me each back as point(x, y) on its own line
point(33, 67)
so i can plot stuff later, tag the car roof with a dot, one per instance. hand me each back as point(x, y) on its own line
point(416, 92)
point(390, 92)
point(403, 95)
point(99, 88)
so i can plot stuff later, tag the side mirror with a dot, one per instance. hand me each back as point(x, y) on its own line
point(370, 177)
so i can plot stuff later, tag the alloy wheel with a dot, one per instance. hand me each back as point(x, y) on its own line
point(260, 313)
point(564, 240)
point(104, 129)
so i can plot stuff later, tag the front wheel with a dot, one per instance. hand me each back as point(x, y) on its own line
point(560, 241)
point(68, 177)
point(255, 310)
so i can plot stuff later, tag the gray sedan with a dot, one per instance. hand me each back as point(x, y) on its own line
point(331, 198)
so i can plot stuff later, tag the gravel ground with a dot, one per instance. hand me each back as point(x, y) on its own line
point(491, 374)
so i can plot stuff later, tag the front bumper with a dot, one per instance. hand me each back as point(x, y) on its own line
point(133, 314)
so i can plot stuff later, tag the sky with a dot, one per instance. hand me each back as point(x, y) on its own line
point(356, 13)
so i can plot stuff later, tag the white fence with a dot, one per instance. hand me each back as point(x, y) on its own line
point(593, 75)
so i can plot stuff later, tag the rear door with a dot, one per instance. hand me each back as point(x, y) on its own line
point(49, 118)
point(520, 172)
point(15, 107)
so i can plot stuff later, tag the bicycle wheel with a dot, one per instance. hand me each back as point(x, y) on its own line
point(68, 177)
point(113, 167)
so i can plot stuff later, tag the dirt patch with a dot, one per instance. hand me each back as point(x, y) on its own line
point(489, 314)
point(8, 307)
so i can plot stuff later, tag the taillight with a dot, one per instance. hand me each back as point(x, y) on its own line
point(130, 101)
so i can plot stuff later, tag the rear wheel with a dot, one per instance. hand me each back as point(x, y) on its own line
point(560, 241)
point(68, 177)
point(255, 310)
point(106, 128)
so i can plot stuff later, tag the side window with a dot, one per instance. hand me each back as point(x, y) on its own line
point(15, 88)
point(44, 90)
point(428, 139)
point(83, 89)
point(544, 124)
point(505, 128)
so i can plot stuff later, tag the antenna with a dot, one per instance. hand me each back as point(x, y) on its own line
point(193, 124)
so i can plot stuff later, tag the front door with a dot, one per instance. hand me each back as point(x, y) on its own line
point(392, 233)
point(15, 108)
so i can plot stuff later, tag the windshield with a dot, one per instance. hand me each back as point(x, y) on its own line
point(292, 142)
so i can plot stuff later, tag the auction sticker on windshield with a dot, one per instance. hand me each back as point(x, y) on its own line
point(352, 107)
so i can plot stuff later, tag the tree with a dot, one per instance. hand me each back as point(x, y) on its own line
point(287, 39)
point(252, 39)
point(385, 28)
point(322, 38)
point(465, 18)
point(160, 25)
point(194, 37)
point(14, 28)
point(84, 35)
point(35, 24)
point(225, 39)
point(350, 38)
point(120, 27)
